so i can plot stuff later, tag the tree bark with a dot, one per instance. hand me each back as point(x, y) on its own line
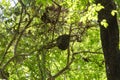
point(110, 39)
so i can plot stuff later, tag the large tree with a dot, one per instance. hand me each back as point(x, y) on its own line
point(110, 39)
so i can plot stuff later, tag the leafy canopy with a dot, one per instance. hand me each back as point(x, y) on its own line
point(29, 30)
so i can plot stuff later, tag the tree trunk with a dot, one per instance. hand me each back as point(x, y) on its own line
point(110, 39)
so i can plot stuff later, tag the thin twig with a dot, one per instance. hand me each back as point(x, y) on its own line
point(65, 68)
point(15, 47)
point(12, 58)
point(19, 24)
point(7, 48)
point(75, 53)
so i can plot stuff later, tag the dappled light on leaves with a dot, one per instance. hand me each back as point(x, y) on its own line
point(51, 40)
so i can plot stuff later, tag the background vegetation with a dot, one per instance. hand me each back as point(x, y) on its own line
point(29, 30)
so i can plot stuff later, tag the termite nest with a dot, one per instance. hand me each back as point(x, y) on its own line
point(63, 41)
point(51, 14)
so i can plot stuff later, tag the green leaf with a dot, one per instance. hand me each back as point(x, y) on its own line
point(113, 12)
point(104, 23)
point(99, 7)
point(44, 2)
